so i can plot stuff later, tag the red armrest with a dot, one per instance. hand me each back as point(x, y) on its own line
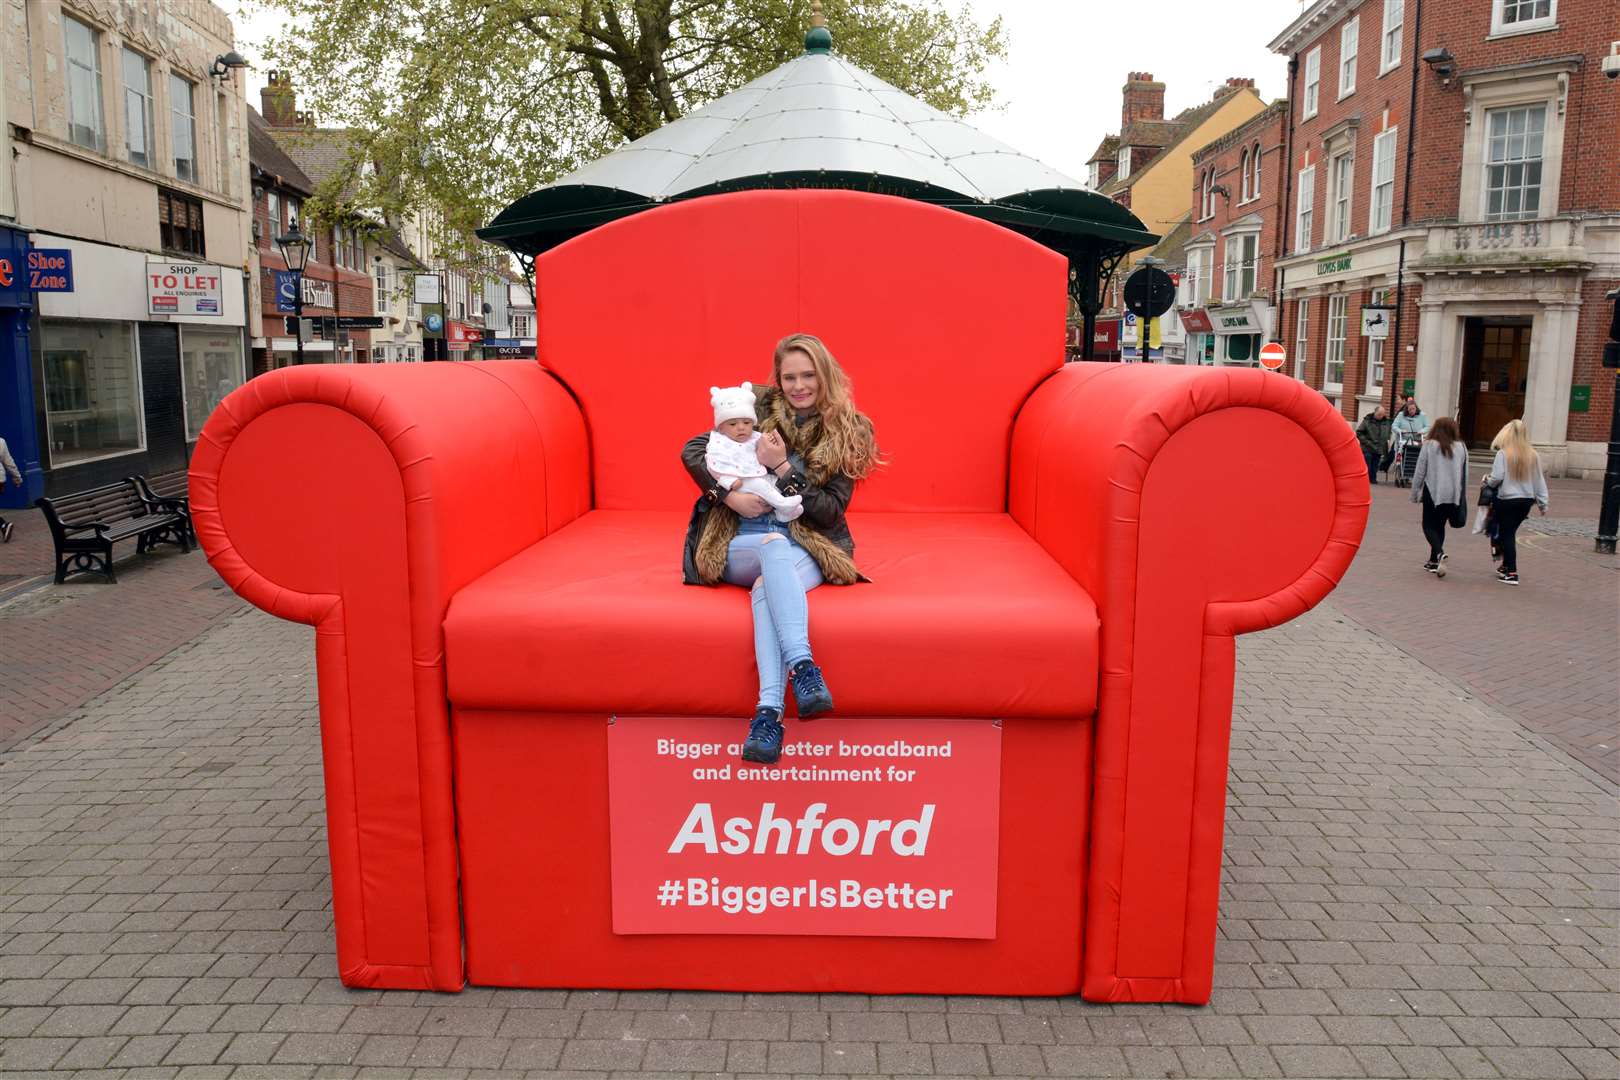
point(359, 499)
point(1193, 504)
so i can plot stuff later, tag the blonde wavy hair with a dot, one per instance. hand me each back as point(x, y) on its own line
point(1514, 442)
point(842, 439)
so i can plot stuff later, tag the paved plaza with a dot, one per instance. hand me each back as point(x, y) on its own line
point(1421, 860)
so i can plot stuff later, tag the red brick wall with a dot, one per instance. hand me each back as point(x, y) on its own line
point(354, 292)
point(1590, 178)
point(1225, 156)
point(1590, 336)
point(1373, 96)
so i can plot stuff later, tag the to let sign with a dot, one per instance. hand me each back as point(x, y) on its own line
point(884, 828)
point(181, 288)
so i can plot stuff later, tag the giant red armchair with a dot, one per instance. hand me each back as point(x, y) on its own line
point(489, 555)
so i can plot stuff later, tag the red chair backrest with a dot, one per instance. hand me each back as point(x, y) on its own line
point(944, 324)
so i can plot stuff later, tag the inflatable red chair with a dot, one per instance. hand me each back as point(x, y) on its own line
point(490, 555)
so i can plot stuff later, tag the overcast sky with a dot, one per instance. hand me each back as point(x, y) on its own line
point(1058, 92)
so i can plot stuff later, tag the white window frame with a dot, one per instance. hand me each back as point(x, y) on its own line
point(1375, 351)
point(1349, 54)
point(1302, 335)
point(146, 111)
point(183, 119)
point(1540, 162)
point(1333, 347)
point(1243, 164)
point(1507, 90)
point(1254, 163)
point(1313, 83)
point(1381, 204)
point(1248, 243)
point(1123, 160)
point(520, 325)
point(1500, 27)
point(295, 212)
point(384, 296)
point(1206, 195)
point(1389, 57)
point(98, 135)
point(272, 209)
point(1341, 197)
point(1305, 211)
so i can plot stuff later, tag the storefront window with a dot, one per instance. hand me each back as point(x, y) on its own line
point(211, 364)
point(92, 390)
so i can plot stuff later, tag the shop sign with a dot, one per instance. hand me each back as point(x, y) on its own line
point(50, 269)
point(1333, 264)
point(459, 332)
point(1375, 322)
point(360, 322)
point(1580, 399)
point(1234, 321)
point(433, 320)
point(496, 348)
point(13, 279)
point(1196, 321)
point(183, 288)
point(426, 289)
point(862, 828)
point(1105, 336)
point(317, 291)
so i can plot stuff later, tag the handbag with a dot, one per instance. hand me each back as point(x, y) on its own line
point(1487, 494)
point(1459, 515)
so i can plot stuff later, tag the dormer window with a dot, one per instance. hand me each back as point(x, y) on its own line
point(1124, 163)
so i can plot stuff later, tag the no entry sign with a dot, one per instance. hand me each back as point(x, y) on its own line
point(1272, 355)
point(864, 827)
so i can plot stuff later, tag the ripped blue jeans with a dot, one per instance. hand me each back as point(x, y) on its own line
point(778, 574)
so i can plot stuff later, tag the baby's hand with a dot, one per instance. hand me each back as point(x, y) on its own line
point(771, 451)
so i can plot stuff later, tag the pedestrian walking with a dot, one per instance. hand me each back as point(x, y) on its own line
point(1440, 482)
point(1520, 485)
point(1410, 419)
point(1373, 433)
point(8, 471)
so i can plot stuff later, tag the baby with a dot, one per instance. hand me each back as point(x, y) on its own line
point(732, 453)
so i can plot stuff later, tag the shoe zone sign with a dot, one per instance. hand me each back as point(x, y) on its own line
point(863, 828)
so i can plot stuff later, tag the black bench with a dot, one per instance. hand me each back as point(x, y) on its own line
point(170, 492)
point(86, 524)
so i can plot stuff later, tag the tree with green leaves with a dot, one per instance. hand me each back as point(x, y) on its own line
point(467, 105)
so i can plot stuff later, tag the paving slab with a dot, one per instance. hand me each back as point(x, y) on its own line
point(1418, 883)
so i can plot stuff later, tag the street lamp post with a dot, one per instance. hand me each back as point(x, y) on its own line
point(295, 253)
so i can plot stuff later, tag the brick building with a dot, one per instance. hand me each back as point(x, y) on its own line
point(1456, 160)
point(1226, 296)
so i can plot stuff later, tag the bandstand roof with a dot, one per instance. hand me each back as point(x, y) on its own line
point(820, 121)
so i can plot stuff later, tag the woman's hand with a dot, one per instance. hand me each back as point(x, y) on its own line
point(747, 504)
point(772, 450)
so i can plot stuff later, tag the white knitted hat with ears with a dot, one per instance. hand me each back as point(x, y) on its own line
point(732, 402)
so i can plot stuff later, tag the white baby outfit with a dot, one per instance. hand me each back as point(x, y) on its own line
point(729, 460)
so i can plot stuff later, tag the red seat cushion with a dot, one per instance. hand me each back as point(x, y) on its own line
point(965, 616)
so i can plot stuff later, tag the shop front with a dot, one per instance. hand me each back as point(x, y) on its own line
point(16, 381)
point(1238, 331)
point(1200, 333)
point(128, 363)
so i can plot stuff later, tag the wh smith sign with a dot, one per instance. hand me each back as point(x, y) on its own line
point(864, 827)
point(182, 288)
point(317, 292)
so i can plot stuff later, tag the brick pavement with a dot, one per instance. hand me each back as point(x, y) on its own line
point(1415, 887)
point(61, 645)
point(1546, 653)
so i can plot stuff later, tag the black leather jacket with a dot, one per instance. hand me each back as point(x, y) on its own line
point(824, 506)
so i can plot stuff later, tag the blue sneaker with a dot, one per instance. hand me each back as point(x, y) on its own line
point(764, 736)
point(809, 689)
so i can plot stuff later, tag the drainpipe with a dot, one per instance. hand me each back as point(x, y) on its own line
point(1393, 369)
point(1281, 247)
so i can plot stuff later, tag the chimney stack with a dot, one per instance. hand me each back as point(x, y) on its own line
point(277, 102)
point(1143, 99)
point(1233, 85)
